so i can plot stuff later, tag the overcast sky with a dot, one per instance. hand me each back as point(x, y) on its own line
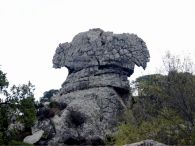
point(30, 31)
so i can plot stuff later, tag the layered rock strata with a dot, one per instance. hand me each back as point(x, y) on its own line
point(96, 90)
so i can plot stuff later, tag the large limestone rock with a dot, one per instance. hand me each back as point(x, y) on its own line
point(96, 90)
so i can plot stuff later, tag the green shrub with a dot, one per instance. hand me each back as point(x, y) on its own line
point(167, 128)
point(14, 142)
point(29, 112)
point(1, 138)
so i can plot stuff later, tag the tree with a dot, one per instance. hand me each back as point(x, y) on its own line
point(181, 94)
point(3, 81)
point(28, 110)
point(180, 85)
point(3, 110)
point(150, 99)
point(4, 123)
point(174, 90)
point(22, 97)
point(173, 63)
point(19, 103)
point(48, 94)
point(164, 108)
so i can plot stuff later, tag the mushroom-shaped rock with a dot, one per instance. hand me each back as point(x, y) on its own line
point(98, 48)
point(96, 58)
point(96, 90)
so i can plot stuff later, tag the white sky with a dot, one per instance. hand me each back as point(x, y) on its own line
point(30, 31)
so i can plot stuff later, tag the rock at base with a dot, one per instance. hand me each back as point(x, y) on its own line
point(91, 114)
point(31, 139)
point(146, 143)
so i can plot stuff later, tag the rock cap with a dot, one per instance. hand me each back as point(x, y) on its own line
point(103, 49)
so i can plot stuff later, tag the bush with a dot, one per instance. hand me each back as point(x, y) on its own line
point(167, 128)
point(29, 112)
point(14, 142)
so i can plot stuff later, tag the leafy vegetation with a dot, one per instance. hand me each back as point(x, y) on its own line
point(3, 81)
point(13, 142)
point(164, 108)
point(47, 95)
point(167, 128)
point(17, 109)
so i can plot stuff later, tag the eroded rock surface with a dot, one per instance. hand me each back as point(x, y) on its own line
point(96, 90)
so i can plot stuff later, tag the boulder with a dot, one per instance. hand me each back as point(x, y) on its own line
point(146, 143)
point(35, 137)
point(45, 125)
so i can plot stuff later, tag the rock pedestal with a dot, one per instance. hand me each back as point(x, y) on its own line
point(96, 90)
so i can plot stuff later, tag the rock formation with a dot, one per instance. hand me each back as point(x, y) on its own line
point(96, 90)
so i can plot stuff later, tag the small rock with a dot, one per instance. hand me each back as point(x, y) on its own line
point(146, 143)
point(31, 139)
